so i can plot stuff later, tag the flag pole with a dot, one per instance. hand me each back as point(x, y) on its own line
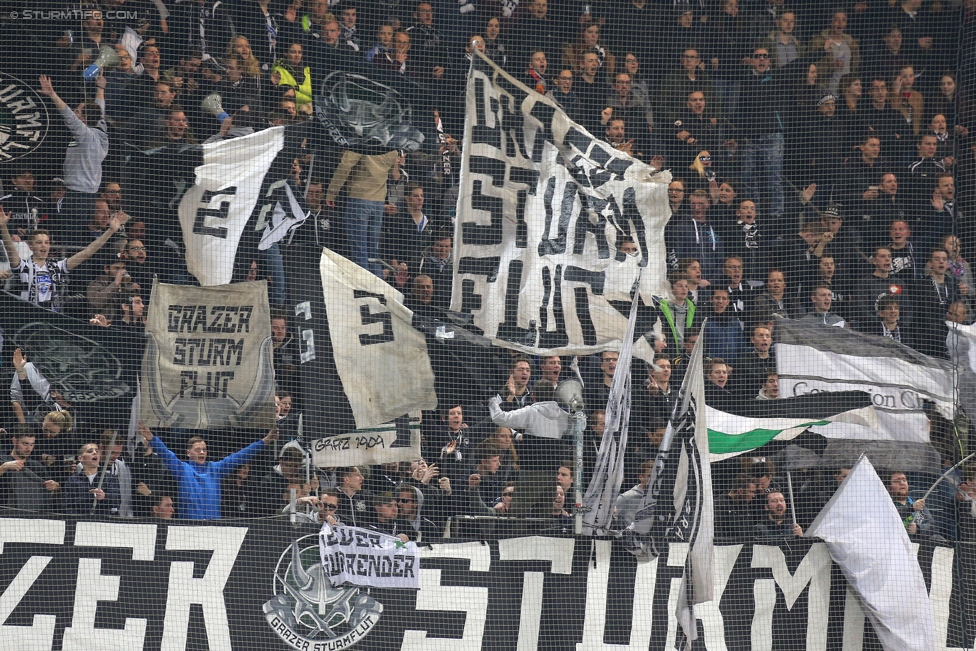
point(579, 425)
point(789, 485)
point(946, 474)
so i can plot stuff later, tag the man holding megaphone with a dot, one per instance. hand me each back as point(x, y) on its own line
point(83, 159)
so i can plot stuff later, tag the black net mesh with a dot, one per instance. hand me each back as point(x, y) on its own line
point(400, 325)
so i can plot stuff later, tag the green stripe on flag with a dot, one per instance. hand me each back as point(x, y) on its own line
point(722, 443)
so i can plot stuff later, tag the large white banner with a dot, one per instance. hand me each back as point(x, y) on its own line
point(381, 359)
point(812, 359)
point(208, 359)
point(355, 556)
point(543, 210)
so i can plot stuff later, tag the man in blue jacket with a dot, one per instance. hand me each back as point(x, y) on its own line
point(199, 479)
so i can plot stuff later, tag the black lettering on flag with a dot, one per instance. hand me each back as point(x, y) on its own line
point(558, 245)
point(583, 316)
point(521, 228)
point(476, 234)
point(369, 318)
point(470, 302)
point(552, 288)
point(487, 267)
point(584, 225)
point(529, 177)
point(221, 212)
point(508, 330)
point(491, 167)
point(632, 215)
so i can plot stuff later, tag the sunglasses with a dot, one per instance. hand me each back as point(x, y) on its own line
point(329, 507)
point(405, 501)
point(705, 158)
point(760, 56)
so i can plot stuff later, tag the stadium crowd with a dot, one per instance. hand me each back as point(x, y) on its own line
point(815, 152)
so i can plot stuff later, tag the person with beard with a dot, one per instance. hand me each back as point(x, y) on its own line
point(138, 265)
point(776, 526)
point(25, 483)
point(918, 520)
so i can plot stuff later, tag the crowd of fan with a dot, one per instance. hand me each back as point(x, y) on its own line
point(814, 153)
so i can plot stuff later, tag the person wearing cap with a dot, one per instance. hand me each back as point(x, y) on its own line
point(841, 242)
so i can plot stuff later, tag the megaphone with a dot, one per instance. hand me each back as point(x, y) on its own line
point(213, 104)
point(107, 57)
point(569, 395)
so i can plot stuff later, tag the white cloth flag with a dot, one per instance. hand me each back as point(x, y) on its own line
point(604, 486)
point(542, 211)
point(812, 359)
point(240, 178)
point(867, 539)
point(381, 359)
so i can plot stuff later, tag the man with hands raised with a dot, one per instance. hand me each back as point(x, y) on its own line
point(41, 277)
point(198, 479)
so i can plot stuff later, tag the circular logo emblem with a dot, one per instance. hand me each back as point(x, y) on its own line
point(23, 119)
point(307, 610)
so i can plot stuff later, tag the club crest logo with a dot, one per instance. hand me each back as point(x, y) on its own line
point(23, 119)
point(307, 612)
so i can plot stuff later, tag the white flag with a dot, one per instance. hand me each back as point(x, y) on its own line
point(381, 359)
point(867, 539)
point(240, 178)
point(608, 473)
point(542, 213)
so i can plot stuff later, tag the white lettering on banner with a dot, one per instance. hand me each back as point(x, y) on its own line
point(595, 615)
point(559, 552)
point(677, 557)
point(713, 623)
point(814, 570)
point(39, 636)
point(92, 586)
point(434, 596)
point(184, 590)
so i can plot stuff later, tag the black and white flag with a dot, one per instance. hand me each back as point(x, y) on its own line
point(677, 506)
point(242, 200)
point(608, 474)
point(543, 210)
point(811, 359)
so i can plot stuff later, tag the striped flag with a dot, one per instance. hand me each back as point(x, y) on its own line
point(730, 435)
point(608, 473)
point(677, 507)
point(812, 359)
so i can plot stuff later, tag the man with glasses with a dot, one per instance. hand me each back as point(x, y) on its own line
point(564, 95)
point(329, 507)
point(412, 518)
point(627, 106)
point(764, 104)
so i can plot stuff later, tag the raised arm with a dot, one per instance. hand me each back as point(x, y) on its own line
point(8, 243)
point(114, 225)
point(48, 89)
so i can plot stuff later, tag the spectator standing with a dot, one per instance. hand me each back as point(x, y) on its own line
point(83, 161)
point(82, 494)
point(364, 176)
point(198, 479)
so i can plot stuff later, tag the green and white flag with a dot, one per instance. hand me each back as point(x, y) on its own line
point(730, 435)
